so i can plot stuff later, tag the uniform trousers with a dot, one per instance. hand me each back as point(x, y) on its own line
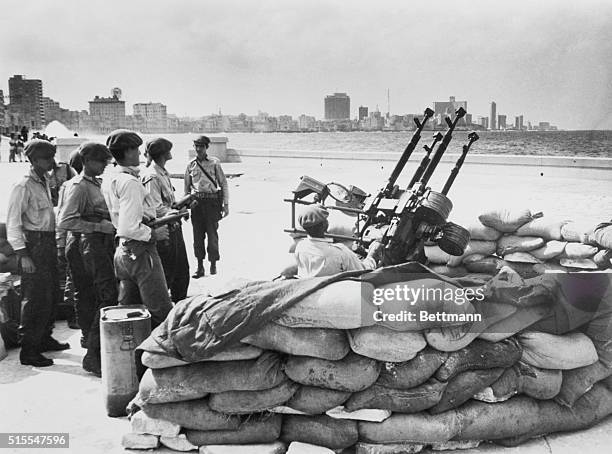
point(39, 290)
point(141, 278)
point(97, 250)
point(173, 255)
point(205, 221)
point(84, 295)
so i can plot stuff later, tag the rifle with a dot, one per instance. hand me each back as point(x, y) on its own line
point(167, 219)
point(387, 191)
point(185, 202)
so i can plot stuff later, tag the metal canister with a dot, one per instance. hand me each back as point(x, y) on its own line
point(122, 329)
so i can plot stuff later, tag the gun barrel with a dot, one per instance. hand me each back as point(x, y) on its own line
point(425, 161)
point(409, 149)
point(168, 219)
point(433, 164)
point(451, 179)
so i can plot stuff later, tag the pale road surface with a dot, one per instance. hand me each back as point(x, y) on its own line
point(64, 398)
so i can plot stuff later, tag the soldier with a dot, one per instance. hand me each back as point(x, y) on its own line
point(137, 263)
point(161, 192)
point(204, 177)
point(85, 213)
point(31, 233)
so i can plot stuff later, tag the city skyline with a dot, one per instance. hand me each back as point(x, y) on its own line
point(546, 61)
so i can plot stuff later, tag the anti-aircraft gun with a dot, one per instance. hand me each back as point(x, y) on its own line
point(403, 220)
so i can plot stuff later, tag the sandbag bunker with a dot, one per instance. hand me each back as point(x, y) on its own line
point(314, 379)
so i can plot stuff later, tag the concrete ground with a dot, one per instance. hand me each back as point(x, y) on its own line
point(64, 398)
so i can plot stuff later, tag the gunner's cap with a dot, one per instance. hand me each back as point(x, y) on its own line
point(123, 139)
point(312, 215)
point(158, 146)
point(94, 151)
point(202, 140)
point(38, 148)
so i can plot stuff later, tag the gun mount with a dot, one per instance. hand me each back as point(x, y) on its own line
point(403, 220)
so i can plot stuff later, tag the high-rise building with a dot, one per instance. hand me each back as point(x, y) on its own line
point(26, 105)
point(493, 116)
point(152, 115)
point(338, 107)
point(501, 122)
point(443, 109)
point(363, 112)
point(107, 114)
point(2, 113)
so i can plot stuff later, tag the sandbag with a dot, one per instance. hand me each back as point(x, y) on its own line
point(602, 235)
point(196, 380)
point(276, 447)
point(544, 268)
point(418, 427)
point(297, 447)
point(507, 220)
point(508, 244)
point(462, 387)
point(440, 297)
point(320, 430)
point(480, 247)
point(258, 429)
point(235, 353)
point(316, 342)
point(388, 448)
point(436, 255)
point(479, 355)
point(579, 251)
point(603, 259)
point(353, 373)
point(539, 383)
point(367, 414)
point(453, 338)
point(384, 344)
point(342, 305)
point(583, 264)
point(478, 231)
point(245, 402)
point(507, 385)
point(526, 417)
point(576, 382)
point(549, 351)
point(412, 400)
point(192, 414)
point(577, 231)
point(543, 227)
point(488, 265)
point(412, 373)
point(521, 319)
point(449, 271)
point(314, 400)
point(520, 257)
point(455, 445)
point(549, 251)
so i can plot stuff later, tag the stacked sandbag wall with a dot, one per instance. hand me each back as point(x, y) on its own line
point(528, 242)
point(318, 380)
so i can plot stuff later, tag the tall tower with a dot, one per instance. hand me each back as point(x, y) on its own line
point(337, 107)
point(26, 101)
point(493, 116)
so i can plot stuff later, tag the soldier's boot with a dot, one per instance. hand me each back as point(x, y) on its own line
point(200, 271)
point(30, 357)
point(213, 267)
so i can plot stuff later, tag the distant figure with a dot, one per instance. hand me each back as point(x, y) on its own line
point(19, 150)
point(204, 177)
point(76, 134)
point(14, 148)
point(24, 133)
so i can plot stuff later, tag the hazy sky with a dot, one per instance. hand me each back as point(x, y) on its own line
point(549, 60)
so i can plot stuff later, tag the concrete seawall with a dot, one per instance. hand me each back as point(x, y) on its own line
point(525, 165)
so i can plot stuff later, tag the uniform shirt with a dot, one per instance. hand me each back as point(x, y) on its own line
point(128, 204)
point(197, 181)
point(29, 208)
point(57, 177)
point(322, 257)
point(161, 192)
point(82, 205)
